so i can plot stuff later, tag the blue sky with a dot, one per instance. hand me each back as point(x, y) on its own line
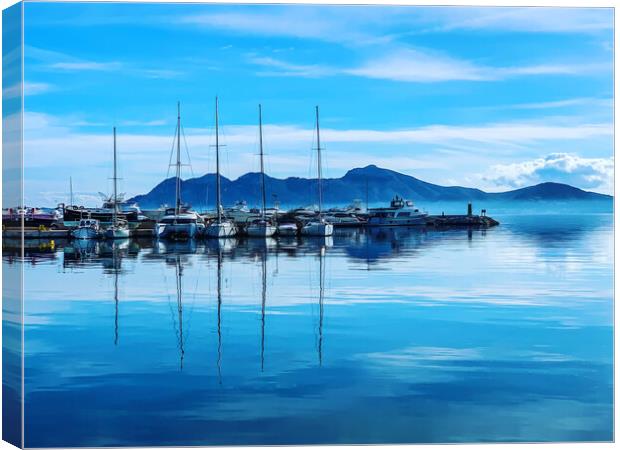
point(494, 98)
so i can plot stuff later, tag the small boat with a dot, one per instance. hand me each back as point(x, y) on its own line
point(221, 227)
point(87, 229)
point(287, 229)
point(318, 226)
point(261, 227)
point(344, 219)
point(401, 212)
point(240, 213)
point(179, 222)
point(119, 228)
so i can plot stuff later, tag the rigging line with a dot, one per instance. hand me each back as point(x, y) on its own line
point(189, 159)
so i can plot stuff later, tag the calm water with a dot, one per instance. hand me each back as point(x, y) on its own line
point(393, 335)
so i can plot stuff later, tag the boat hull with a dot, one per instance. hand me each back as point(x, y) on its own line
point(395, 222)
point(177, 231)
point(287, 230)
point(116, 233)
point(220, 230)
point(318, 229)
point(261, 230)
point(85, 233)
point(71, 214)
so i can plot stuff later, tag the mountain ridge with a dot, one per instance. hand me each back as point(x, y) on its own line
point(372, 182)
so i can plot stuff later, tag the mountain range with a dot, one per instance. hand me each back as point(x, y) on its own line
point(371, 182)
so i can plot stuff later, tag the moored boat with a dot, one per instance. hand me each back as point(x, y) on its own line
point(318, 226)
point(179, 222)
point(119, 228)
point(29, 217)
point(262, 227)
point(401, 212)
point(87, 229)
point(221, 227)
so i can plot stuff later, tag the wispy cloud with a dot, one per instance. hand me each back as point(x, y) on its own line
point(147, 123)
point(57, 144)
point(524, 19)
point(278, 67)
point(606, 103)
point(86, 66)
point(588, 173)
point(56, 61)
point(30, 88)
point(419, 66)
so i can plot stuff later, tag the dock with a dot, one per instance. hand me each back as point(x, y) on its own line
point(462, 220)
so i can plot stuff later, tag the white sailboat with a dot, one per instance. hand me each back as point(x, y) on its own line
point(261, 227)
point(179, 222)
point(318, 226)
point(222, 227)
point(119, 228)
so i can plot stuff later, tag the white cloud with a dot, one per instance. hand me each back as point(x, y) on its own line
point(282, 68)
point(57, 61)
point(524, 19)
point(29, 89)
point(422, 66)
point(86, 66)
point(56, 145)
point(588, 173)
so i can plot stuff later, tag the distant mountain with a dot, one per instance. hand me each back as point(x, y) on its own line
point(372, 182)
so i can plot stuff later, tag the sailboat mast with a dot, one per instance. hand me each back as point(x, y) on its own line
point(115, 201)
point(263, 304)
point(178, 184)
point(318, 144)
point(217, 162)
point(219, 314)
point(179, 270)
point(262, 165)
point(321, 295)
point(71, 190)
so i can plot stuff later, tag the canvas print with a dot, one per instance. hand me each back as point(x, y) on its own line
point(232, 224)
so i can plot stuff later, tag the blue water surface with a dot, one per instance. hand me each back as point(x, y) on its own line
point(377, 336)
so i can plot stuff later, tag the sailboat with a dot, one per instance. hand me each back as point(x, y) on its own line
point(222, 227)
point(261, 227)
point(179, 222)
point(318, 226)
point(119, 228)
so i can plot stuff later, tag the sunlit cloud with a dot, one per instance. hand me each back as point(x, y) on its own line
point(589, 173)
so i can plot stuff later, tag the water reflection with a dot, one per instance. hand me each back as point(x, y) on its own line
point(287, 333)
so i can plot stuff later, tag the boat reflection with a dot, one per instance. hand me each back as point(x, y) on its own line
point(371, 246)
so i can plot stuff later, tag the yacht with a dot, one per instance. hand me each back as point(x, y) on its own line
point(401, 212)
point(287, 229)
point(344, 219)
point(240, 213)
point(261, 227)
point(318, 226)
point(221, 227)
point(179, 222)
point(87, 229)
point(30, 217)
point(119, 228)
